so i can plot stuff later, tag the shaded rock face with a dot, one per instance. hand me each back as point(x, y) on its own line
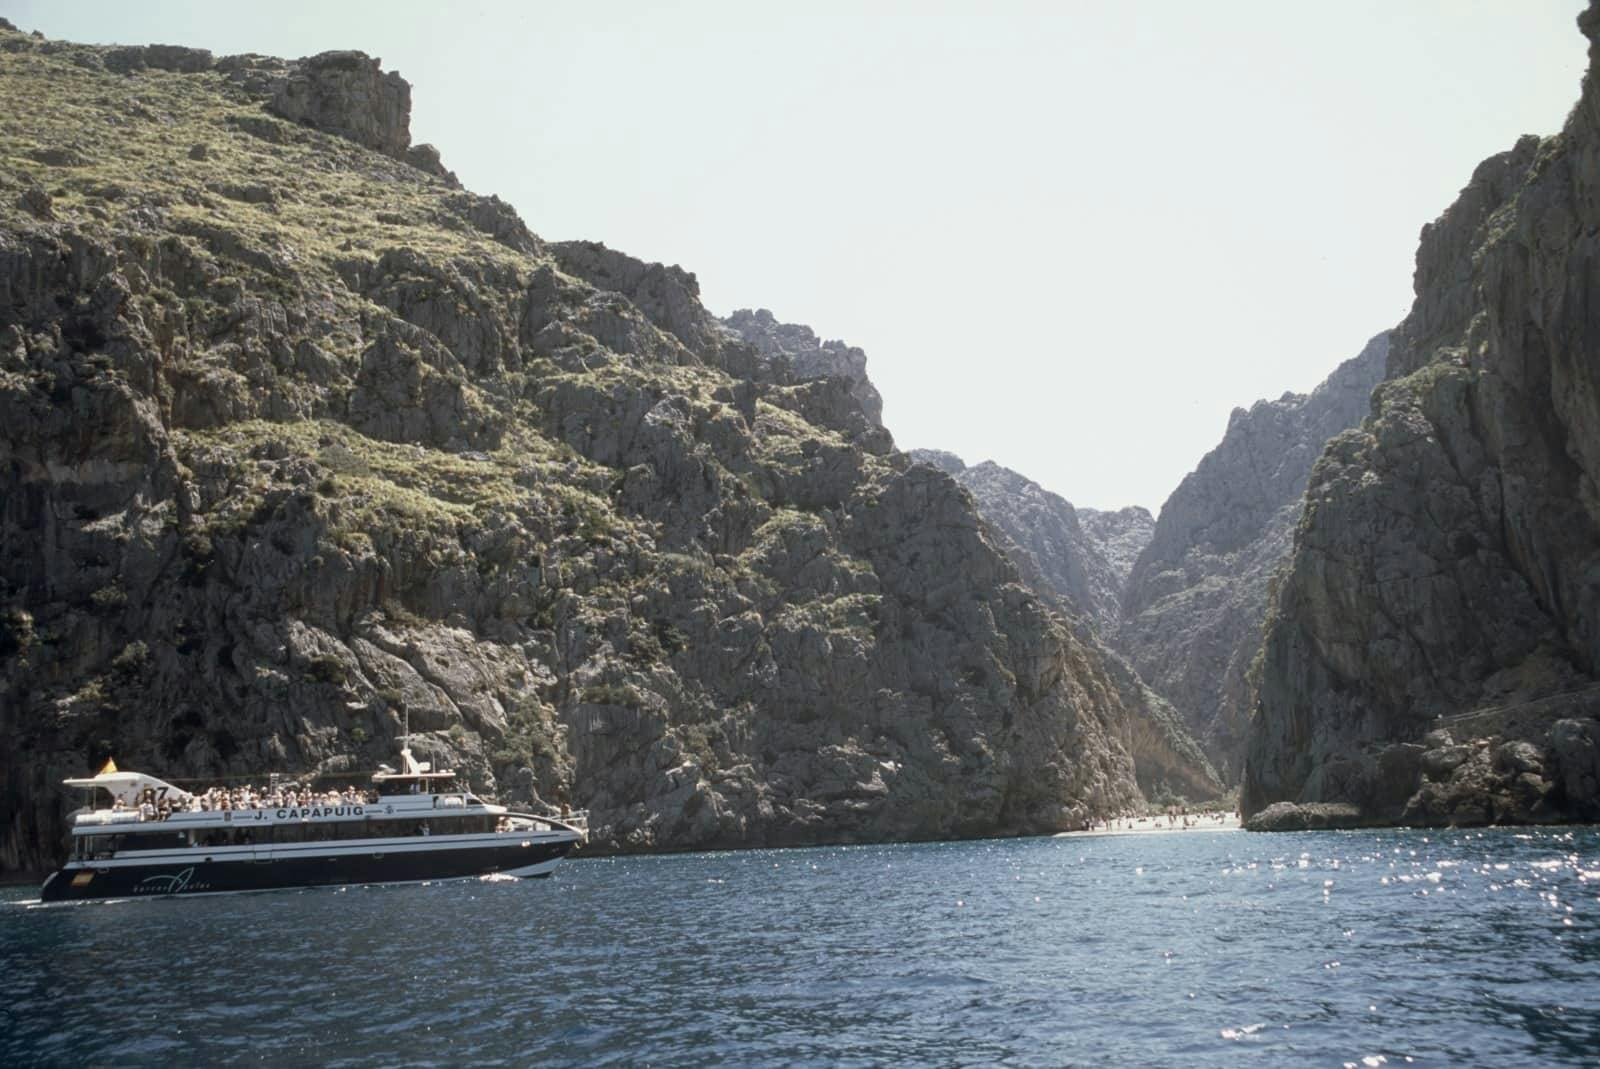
point(1082, 574)
point(807, 356)
point(264, 487)
point(1196, 598)
point(1433, 649)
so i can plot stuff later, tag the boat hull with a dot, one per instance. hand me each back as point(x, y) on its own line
point(190, 875)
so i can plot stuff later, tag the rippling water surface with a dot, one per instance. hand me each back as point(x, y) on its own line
point(1194, 948)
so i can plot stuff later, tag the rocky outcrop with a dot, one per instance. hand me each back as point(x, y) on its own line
point(1196, 598)
point(807, 356)
point(275, 468)
point(174, 58)
point(344, 93)
point(940, 459)
point(1433, 650)
point(1312, 816)
point(348, 94)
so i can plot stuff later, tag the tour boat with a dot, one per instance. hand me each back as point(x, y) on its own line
point(140, 837)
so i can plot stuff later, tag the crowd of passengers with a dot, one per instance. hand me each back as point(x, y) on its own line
point(291, 797)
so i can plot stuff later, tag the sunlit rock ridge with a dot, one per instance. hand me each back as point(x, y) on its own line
point(1432, 653)
point(295, 434)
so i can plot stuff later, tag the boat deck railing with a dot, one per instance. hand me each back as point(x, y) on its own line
point(569, 821)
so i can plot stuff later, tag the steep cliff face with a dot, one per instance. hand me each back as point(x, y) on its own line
point(1433, 651)
point(1195, 600)
point(1082, 568)
point(294, 434)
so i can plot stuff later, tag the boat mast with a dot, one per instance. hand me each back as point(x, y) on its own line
point(405, 737)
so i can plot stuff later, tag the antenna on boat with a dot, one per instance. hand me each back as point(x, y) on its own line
point(408, 763)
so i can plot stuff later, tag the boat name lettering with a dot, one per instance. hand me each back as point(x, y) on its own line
point(317, 812)
point(170, 883)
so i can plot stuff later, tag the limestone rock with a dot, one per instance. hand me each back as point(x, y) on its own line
point(176, 58)
point(1120, 536)
point(37, 203)
point(1445, 572)
point(807, 356)
point(426, 158)
point(347, 93)
point(1312, 816)
point(941, 459)
point(668, 296)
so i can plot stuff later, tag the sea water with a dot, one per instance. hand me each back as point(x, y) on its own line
point(1189, 948)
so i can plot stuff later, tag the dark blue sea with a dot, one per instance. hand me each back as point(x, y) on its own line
point(1191, 948)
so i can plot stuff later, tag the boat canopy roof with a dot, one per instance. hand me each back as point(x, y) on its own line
point(126, 787)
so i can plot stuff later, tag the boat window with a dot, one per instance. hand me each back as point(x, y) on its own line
point(162, 840)
point(322, 831)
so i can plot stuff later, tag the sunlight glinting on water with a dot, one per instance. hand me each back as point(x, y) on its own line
point(1357, 948)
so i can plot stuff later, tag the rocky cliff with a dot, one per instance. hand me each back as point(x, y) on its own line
point(800, 354)
point(1081, 567)
point(1118, 537)
point(1196, 598)
point(1433, 650)
point(1086, 567)
point(296, 434)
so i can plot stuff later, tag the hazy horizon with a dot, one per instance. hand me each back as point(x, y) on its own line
point(1071, 239)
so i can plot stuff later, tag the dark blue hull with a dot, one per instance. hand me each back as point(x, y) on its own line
point(169, 876)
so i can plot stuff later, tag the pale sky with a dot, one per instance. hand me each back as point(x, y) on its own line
point(1071, 237)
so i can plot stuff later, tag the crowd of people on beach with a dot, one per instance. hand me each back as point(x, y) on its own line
point(1175, 817)
point(291, 796)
